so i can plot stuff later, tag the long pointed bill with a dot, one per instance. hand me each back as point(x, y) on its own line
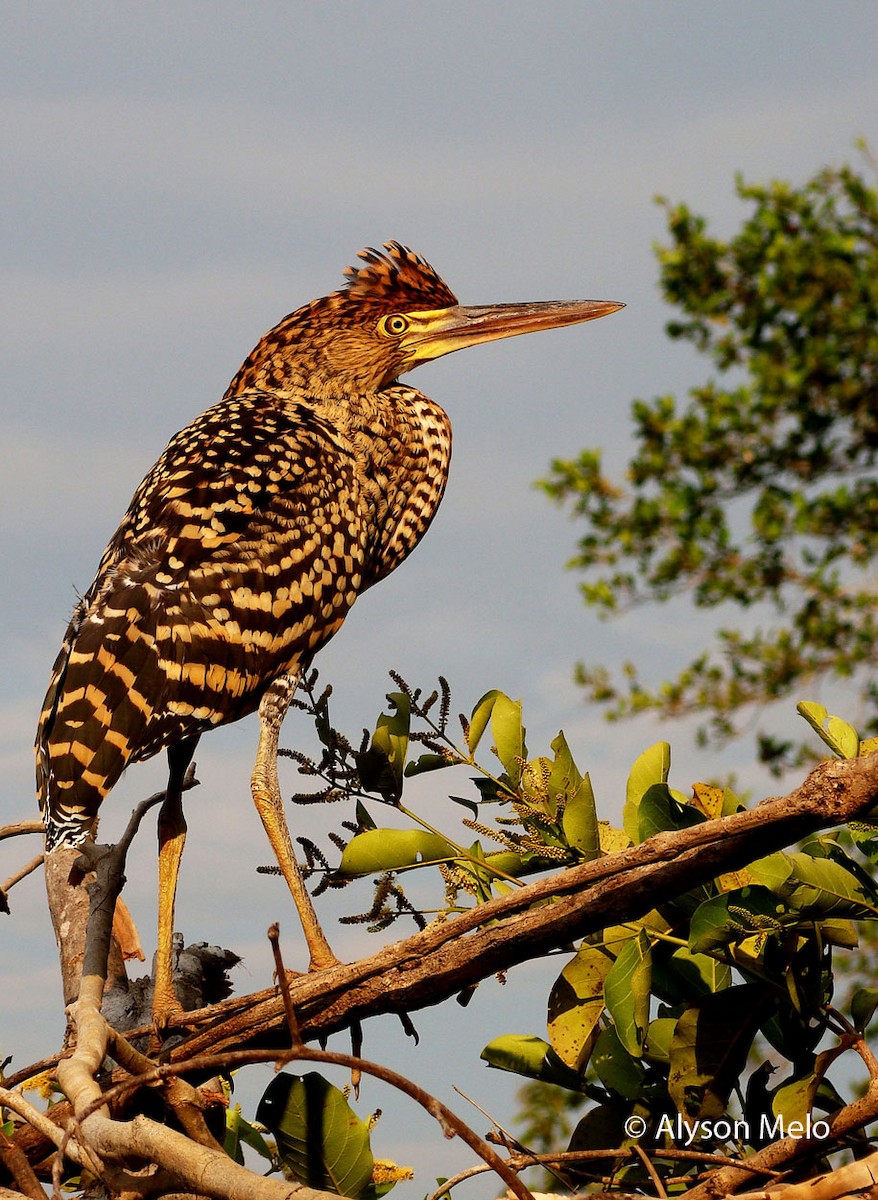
point(432, 334)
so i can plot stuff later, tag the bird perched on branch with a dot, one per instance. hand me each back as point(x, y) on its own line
point(248, 542)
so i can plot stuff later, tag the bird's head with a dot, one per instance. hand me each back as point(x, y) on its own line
point(393, 314)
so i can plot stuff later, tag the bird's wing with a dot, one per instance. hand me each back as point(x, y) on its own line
point(240, 554)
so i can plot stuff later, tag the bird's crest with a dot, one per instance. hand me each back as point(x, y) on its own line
point(399, 278)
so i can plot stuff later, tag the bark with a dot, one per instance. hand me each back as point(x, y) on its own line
point(448, 957)
point(435, 964)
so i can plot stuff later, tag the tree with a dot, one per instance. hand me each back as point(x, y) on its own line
point(693, 1033)
point(687, 961)
point(758, 494)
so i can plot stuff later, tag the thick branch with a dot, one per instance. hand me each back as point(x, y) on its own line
point(116, 1149)
point(440, 961)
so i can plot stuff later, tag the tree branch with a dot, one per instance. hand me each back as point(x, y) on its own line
point(445, 958)
point(20, 827)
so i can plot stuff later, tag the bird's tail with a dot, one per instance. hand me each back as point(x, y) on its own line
point(84, 735)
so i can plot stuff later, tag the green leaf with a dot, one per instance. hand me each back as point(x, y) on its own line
point(576, 1002)
point(478, 722)
point(841, 738)
point(863, 1004)
point(794, 1100)
point(660, 811)
point(627, 991)
point(530, 1056)
point(773, 871)
point(603, 1126)
point(657, 1046)
point(392, 733)
point(709, 1049)
point(580, 822)
point(816, 886)
point(651, 767)
point(735, 916)
point(240, 1132)
point(427, 762)
point(839, 933)
point(615, 1067)
point(612, 841)
point(364, 817)
point(320, 1139)
point(379, 850)
point(685, 975)
point(382, 766)
point(510, 863)
point(508, 733)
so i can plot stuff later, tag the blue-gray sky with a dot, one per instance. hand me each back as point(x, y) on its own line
point(176, 177)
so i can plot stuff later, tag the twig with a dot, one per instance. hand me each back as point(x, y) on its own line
point(282, 983)
point(450, 1124)
point(22, 873)
point(508, 1141)
point(522, 1161)
point(8, 884)
point(20, 827)
point(651, 1171)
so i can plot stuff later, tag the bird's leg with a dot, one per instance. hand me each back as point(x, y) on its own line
point(269, 804)
point(172, 837)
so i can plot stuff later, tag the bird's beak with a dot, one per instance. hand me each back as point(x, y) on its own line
point(432, 334)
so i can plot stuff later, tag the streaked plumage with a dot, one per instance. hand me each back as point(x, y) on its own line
point(248, 542)
point(243, 549)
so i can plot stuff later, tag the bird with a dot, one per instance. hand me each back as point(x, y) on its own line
point(247, 544)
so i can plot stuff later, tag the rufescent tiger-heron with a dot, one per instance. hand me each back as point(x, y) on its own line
point(248, 542)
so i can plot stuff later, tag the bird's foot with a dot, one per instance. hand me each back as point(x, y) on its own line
point(168, 1015)
point(323, 960)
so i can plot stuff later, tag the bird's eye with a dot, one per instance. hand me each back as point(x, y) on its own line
point(393, 326)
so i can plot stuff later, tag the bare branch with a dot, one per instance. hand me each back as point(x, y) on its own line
point(15, 1162)
point(38, 1120)
point(20, 827)
point(283, 984)
point(858, 1179)
point(9, 884)
point(452, 1125)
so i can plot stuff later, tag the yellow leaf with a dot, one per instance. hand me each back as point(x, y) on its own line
point(708, 799)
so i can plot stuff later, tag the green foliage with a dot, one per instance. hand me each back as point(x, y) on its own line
point(669, 1017)
point(240, 1132)
point(542, 808)
point(321, 1142)
point(672, 1019)
point(759, 493)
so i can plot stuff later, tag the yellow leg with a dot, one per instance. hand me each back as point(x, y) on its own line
point(269, 804)
point(172, 838)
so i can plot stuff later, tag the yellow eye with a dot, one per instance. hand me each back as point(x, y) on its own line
point(393, 326)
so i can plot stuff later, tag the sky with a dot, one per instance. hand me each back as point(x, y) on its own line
point(177, 177)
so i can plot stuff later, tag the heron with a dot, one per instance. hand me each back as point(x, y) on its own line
point(247, 544)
